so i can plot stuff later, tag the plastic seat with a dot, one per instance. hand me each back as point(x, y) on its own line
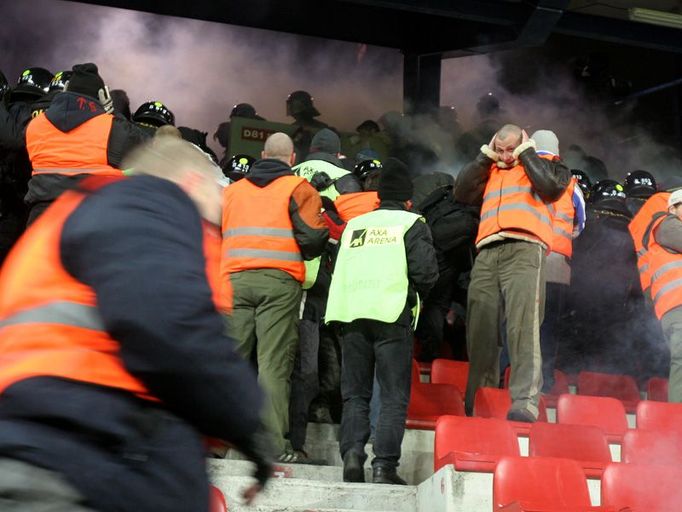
point(641, 488)
point(622, 387)
point(217, 500)
point(659, 415)
point(495, 403)
point(446, 371)
point(540, 484)
point(603, 412)
point(560, 386)
point(657, 389)
point(473, 444)
point(428, 402)
point(652, 447)
point(583, 443)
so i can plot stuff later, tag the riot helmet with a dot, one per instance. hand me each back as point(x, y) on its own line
point(640, 184)
point(32, 84)
point(609, 195)
point(59, 80)
point(363, 169)
point(154, 113)
point(238, 166)
point(245, 110)
point(583, 180)
point(300, 103)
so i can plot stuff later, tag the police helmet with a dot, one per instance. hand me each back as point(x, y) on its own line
point(640, 184)
point(58, 82)
point(154, 113)
point(366, 167)
point(33, 82)
point(301, 102)
point(610, 195)
point(238, 166)
point(245, 110)
point(583, 180)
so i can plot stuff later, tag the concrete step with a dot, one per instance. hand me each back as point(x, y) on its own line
point(292, 494)
point(225, 467)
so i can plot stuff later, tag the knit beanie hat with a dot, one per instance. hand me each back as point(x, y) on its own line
point(395, 183)
point(325, 141)
point(85, 80)
point(546, 140)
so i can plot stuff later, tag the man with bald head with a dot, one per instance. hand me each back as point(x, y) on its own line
point(515, 188)
point(271, 223)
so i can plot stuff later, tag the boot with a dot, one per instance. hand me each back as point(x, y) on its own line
point(353, 470)
point(384, 475)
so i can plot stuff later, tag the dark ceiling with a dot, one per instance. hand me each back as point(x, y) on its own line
point(446, 27)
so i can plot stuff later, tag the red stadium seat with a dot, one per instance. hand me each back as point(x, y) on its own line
point(217, 500)
point(652, 447)
point(603, 412)
point(430, 401)
point(622, 387)
point(495, 403)
point(657, 389)
point(540, 484)
point(659, 416)
point(446, 371)
point(560, 386)
point(473, 444)
point(641, 488)
point(585, 444)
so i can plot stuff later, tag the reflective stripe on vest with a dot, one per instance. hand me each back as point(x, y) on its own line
point(511, 204)
point(639, 226)
point(257, 229)
point(61, 313)
point(370, 276)
point(666, 273)
point(82, 150)
point(563, 215)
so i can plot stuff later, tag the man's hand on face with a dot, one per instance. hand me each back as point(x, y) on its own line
point(524, 137)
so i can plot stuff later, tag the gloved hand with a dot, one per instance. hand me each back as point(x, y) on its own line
point(105, 100)
point(258, 449)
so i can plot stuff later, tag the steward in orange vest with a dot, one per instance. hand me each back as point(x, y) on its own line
point(113, 359)
point(75, 137)
point(516, 189)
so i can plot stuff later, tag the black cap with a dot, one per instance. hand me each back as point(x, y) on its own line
point(85, 80)
point(245, 110)
point(325, 141)
point(395, 183)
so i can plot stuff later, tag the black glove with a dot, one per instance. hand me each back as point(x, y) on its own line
point(258, 449)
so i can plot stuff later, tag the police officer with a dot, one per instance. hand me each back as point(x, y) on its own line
point(152, 114)
point(57, 85)
point(300, 106)
point(639, 186)
point(386, 261)
point(238, 166)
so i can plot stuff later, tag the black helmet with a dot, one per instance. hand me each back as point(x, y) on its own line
point(640, 184)
point(301, 102)
point(366, 167)
point(609, 194)
point(245, 110)
point(154, 113)
point(238, 166)
point(4, 84)
point(33, 82)
point(58, 82)
point(583, 180)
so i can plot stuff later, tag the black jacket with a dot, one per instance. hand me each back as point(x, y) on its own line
point(138, 244)
point(310, 232)
point(549, 178)
point(67, 113)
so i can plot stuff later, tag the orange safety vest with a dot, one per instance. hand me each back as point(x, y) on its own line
point(658, 203)
point(49, 322)
point(563, 215)
point(222, 292)
point(353, 205)
point(666, 272)
point(82, 150)
point(257, 229)
point(511, 204)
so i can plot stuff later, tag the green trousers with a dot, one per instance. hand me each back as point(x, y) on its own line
point(264, 324)
point(672, 329)
point(507, 291)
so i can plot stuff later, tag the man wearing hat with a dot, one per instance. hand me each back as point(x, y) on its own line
point(386, 262)
point(76, 137)
point(664, 247)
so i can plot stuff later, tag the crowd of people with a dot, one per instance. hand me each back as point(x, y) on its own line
point(154, 294)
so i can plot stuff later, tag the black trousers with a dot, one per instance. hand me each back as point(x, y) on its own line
point(367, 345)
point(551, 331)
point(430, 330)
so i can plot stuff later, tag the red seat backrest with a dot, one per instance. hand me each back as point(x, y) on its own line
point(428, 402)
point(540, 483)
point(657, 389)
point(642, 488)
point(446, 371)
point(652, 447)
point(659, 415)
point(217, 500)
point(583, 443)
point(603, 412)
point(473, 444)
point(495, 403)
point(622, 387)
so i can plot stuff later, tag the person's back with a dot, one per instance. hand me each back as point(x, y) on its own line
point(113, 357)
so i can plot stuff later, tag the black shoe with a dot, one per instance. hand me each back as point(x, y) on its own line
point(382, 475)
point(521, 415)
point(353, 470)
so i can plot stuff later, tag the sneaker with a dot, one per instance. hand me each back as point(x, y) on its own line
point(523, 415)
point(299, 457)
